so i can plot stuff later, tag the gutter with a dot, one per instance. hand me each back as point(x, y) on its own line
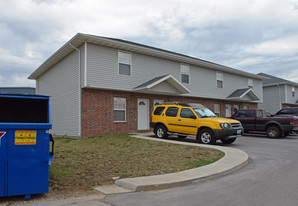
point(80, 93)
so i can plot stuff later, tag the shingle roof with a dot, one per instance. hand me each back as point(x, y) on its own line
point(157, 80)
point(150, 81)
point(238, 93)
point(80, 39)
point(275, 80)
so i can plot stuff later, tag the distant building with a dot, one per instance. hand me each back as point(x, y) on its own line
point(17, 90)
point(278, 93)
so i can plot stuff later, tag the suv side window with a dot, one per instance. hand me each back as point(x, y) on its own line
point(186, 113)
point(158, 110)
point(172, 111)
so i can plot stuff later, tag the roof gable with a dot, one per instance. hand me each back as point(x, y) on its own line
point(246, 94)
point(165, 84)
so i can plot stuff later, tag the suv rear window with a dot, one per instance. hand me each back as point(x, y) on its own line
point(172, 111)
point(158, 110)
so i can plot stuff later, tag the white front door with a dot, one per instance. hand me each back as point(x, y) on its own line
point(228, 110)
point(143, 114)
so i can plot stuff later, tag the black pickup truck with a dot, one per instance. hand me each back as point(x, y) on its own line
point(256, 120)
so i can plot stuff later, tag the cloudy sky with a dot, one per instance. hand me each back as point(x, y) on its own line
point(250, 35)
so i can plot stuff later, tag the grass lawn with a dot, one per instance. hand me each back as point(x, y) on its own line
point(80, 164)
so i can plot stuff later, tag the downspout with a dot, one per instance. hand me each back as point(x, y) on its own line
point(80, 95)
point(279, 96)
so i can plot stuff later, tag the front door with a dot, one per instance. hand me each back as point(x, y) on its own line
point(143, 114)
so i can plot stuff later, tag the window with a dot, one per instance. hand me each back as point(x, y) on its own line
point(124, 60)
point(184, 70)
point(172, 111)
point(293, 91)
point(219, 79)
point(158, 110)
point(187, 113)
point(250, 83)
point(251, 113)
point(217, 109)
point(240, 113)
point(119, 109)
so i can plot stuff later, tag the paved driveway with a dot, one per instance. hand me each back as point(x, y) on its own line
point(270, 179)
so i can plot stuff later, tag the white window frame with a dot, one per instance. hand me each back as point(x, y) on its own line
point(119, 107)
point(124, 60)
point(184, 70)
point(293, 92)
point(219, 77)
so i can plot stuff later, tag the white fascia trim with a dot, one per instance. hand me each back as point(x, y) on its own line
point(85, 65)
point(172, 80)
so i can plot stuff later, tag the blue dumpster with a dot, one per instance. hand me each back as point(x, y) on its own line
point(26, 147)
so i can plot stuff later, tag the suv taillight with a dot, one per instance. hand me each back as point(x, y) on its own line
point(292, 122)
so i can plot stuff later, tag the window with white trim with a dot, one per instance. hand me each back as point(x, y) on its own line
point(293, 91)
point(124, 63)
point(119, 109)
point(184, 70)
point(250, 83)
point(219, 80)
point(217, 109)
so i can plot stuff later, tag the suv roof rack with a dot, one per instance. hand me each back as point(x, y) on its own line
point(184, 104)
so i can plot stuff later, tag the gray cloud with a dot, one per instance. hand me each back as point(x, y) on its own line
point(251, 35)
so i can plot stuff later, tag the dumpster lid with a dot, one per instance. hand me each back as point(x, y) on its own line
point(22, 95)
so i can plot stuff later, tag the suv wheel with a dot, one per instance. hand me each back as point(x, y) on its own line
point(206, 136)
point(273, 132)
point(161, 132)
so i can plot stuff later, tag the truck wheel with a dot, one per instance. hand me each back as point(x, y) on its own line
point(273, 132)
point(161, 132)
point(206, 136)
point(228, 141)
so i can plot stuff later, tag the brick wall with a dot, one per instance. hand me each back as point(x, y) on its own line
point(97, 110)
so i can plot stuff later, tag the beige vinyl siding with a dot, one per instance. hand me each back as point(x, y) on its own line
point(62, 83)
point(102, 70)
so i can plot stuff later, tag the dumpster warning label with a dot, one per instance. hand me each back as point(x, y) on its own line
point(25, 137)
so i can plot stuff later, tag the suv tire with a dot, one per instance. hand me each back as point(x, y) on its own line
point(206, 136)
point(161, 132)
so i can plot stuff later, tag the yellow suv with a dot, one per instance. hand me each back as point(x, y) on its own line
point(194, 119)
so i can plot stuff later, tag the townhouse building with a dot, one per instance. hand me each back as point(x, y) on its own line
point(278, 93)
point(101, 85)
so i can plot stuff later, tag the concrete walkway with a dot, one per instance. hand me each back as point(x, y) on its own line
point(234, 159)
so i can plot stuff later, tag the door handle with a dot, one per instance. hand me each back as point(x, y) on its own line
point(179, 119)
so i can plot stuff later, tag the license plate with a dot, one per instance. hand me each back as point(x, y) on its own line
point(238, 131)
